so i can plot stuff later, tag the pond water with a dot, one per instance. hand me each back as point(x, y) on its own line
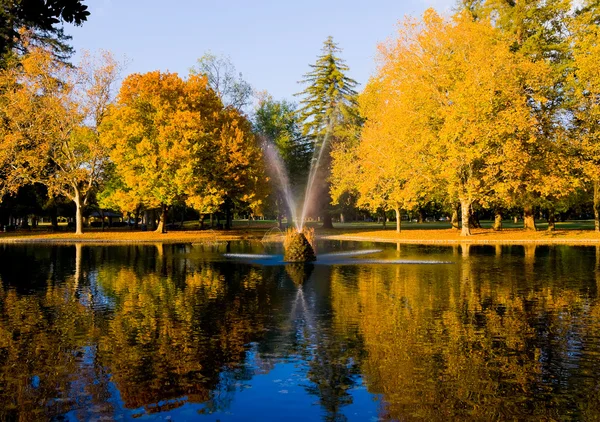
point(183, 332)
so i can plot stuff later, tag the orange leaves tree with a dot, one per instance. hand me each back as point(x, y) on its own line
point(48, 127)
point(584, 84)
point(171, 140)
point(445, 101)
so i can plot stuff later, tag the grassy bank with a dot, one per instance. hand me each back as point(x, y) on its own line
point(574, 232)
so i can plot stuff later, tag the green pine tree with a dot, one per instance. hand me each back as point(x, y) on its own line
point(329, 114)
point(329, 101)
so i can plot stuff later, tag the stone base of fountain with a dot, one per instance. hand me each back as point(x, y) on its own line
point(297, 248)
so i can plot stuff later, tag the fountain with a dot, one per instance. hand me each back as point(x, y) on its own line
point(299, 241)
point(297, 247)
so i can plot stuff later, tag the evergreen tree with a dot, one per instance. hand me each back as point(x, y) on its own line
point(329, 114)
point(330, 99)
point(40, 18)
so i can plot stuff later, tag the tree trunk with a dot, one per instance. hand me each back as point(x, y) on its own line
point(528, 218)
point(327, 221)
point(398, 220)
point(342, 218)
point(212, 220)
point(54, 218)
point(454, 219)
point(474, 220)
point(551, 220)
point(136, 218)
point(152, 220)
point(384, 218)
point(162, 223)
point(465, 207)
point(227, 216)
point(497, 221)
point(420, 217)
point(78, 216)
point(597, 206)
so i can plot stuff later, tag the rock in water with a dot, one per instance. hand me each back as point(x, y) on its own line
point(297, 248)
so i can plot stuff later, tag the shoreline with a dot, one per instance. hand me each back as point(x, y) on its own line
point(415, 237)
point(467, 240)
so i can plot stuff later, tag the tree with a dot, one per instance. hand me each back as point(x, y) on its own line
point(390, 168)
point(584, 84)
point(537, 30)
point(172, 141)
point(329, 113)
point(239, 171)
point(48, 130)
point(40, 18)
point(223, 78)
point(159, 131)
point(446, 100)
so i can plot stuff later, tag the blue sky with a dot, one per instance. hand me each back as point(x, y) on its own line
point(271, 42)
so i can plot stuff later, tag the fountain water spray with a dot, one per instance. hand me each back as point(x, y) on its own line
point(279, 172)
point(312, 174)
point(297, 247)
point(278, 168)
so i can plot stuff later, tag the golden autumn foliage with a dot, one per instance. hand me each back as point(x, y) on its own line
point(171, 140)
point(455, 345)
point(584, 83)
point(48, 131)
point(449, 115)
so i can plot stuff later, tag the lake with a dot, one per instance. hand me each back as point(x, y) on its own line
point(186, 332)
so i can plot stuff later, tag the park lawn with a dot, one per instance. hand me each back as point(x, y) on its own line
point(441, 232)
point(129, 236)
point(430, 232)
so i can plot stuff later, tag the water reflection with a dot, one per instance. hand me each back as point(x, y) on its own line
point(507, 332)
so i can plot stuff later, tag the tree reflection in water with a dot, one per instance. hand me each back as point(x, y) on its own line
point(507, 332)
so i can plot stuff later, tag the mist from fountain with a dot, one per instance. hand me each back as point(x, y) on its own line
point(312, 174)
point(280, 173)
point(277, 167)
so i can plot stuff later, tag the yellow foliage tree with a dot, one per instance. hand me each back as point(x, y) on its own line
point(48, 130)
point(585, 89)
point(171, 140)
point(445, 101)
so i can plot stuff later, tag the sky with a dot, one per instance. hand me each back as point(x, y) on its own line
point(271, 42)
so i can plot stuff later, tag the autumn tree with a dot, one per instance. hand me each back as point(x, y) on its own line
point(171, 141)
point(328, 112)
point(238, 172)
point(50, 114)
point(584, 84)
point(390, 168)
point(157, 131)
point(452, 99)
point(537, 30)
